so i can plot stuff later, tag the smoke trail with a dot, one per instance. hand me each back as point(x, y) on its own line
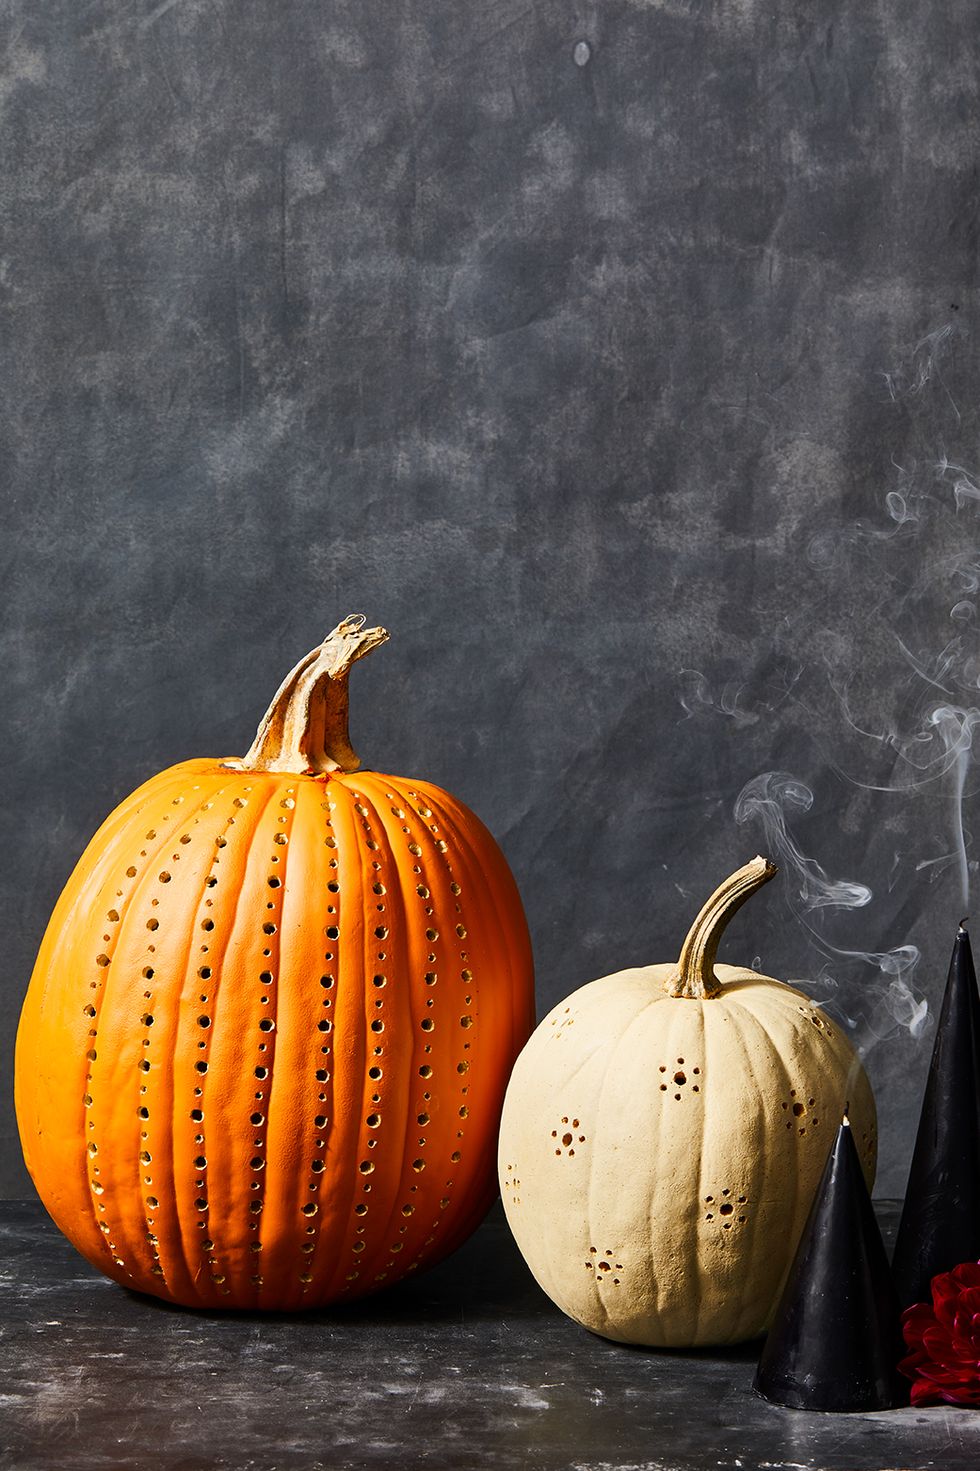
point(697, 692)
point(767, 799)
point(955, 727)
point(878, 655)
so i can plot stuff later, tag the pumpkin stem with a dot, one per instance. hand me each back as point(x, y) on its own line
point(695, 974)
point(305, 727)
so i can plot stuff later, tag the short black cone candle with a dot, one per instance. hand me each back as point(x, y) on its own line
point(940, 1224)
point(836, 1338)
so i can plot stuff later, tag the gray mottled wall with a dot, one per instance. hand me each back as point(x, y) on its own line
point(634, 388)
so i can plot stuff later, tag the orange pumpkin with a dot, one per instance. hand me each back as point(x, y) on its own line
point(264, 1049)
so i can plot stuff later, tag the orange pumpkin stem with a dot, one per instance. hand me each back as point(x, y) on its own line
point(695, 976)
point(305, 728)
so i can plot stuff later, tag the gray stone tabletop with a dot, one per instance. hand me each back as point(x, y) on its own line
point(468, 1366)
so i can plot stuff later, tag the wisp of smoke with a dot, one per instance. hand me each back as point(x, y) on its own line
point(892, 628)
point(767, 799)
point(955, 726)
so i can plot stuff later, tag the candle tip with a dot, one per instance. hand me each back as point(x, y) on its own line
point(964, 924)
point(845, 1122)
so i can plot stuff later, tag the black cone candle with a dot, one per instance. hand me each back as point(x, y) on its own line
point(836, 1339)
point(940, 1224)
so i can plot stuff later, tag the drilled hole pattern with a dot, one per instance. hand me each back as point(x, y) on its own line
point(605, 1270)
point(183, 1142)
point(512, 1184)
point(567, 1136)
point(679, 1079)
point(728, 1208)
point(186, 956)
point(407, 821)
point(562, 1022)
point(135, 889)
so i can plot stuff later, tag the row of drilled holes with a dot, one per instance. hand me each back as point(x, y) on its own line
point(103, 960)
point(427, 1024)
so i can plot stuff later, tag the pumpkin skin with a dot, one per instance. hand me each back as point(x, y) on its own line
point(659, 1154)
point(264, 1048)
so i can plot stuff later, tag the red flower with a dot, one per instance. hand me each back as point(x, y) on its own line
point(944, 1338)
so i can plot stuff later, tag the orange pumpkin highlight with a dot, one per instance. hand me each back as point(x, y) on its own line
point(263, 1052)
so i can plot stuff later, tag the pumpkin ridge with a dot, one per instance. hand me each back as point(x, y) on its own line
point(704, 1096)
point(465, 901)
point(483, 907)
point(225, 933)
point(501, 892)
point(788, 1084)
point(669, 1047)
point(336, 1281)
point(324, 1258)
point(609, 1074)
point(181, 974)
point(306, 837)
point(266, 1180)
point(51, 956)
point(181, 970)
point(127, 1248)
point(457, 870)
point(437, 870)
point(275, 786)
point(498, 882)
point(376, 1258)
point(102, 1239)
point(143, 1265)
point(760, 1116)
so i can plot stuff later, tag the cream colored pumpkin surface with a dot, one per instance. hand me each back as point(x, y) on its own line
point(659, 1153)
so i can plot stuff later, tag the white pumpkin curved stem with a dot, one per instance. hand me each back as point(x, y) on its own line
point(695, 976)
point(305, 728)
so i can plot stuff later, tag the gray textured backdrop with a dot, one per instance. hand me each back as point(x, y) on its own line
point(633, 386)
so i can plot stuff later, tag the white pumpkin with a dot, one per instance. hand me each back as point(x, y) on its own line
point(663, 1134)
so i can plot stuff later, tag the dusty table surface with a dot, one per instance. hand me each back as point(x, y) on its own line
point(467, 1366)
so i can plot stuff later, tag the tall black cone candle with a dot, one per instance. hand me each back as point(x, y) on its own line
point(836, 1338)
point(940, 1225)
